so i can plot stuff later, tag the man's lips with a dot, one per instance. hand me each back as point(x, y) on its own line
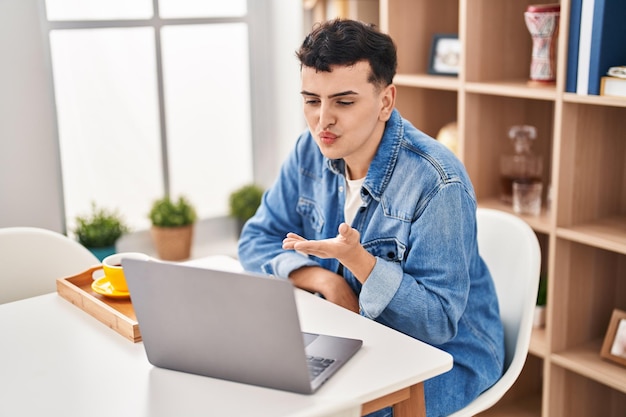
point(328, 138)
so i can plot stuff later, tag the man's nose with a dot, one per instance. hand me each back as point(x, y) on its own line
point(326, 116)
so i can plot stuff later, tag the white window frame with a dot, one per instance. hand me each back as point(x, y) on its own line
point(265, 158)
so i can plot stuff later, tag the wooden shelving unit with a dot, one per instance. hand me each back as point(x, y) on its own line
point(583, 143)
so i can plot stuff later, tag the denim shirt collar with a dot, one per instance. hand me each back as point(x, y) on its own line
point(381, 167)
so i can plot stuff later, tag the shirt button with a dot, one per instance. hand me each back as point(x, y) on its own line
point(341, 189)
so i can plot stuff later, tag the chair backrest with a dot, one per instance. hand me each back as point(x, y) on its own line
point(511, 250)
point(31, 259)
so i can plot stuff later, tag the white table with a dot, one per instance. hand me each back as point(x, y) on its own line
point(56, 360)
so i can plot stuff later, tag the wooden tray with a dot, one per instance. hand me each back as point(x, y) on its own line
point(116, 313)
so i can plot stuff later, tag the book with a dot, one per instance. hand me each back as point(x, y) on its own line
point(584, 46)
point(572, 45)
point(608, 40)
point(613, 86)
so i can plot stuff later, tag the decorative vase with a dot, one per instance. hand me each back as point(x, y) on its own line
point(542, 21)
point(172, 243)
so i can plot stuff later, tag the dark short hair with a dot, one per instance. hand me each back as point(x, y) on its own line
point(346, 42)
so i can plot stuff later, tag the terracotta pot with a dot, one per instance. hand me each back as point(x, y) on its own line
point(172, 243)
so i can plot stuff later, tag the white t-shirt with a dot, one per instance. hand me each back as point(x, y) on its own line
point(353, 198)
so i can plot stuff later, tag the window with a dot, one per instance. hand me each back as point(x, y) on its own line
point(152, 96)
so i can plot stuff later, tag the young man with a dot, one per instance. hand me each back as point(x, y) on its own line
point(379, 218)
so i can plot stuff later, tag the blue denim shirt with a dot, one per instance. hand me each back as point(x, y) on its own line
point(418, 219)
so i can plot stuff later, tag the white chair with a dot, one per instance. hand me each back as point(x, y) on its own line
point(31, 259)
point(511, 250)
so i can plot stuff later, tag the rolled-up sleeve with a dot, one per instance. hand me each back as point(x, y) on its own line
point(380, 287)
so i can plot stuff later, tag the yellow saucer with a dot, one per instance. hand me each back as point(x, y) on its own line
point(103, 286)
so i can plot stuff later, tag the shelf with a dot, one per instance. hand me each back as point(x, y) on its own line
point(582, 140)
point(513, 88)
point(585, 360)
point(608, 234)
point(595, 100)
point(439, 82)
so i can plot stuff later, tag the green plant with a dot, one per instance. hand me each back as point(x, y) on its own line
point(542, 293)
point(101, 228)
point(245, 201)
point(166, 212)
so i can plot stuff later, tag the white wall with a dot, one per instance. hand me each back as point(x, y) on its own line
point(288, 36)
point(30, 174)
point(30, 188)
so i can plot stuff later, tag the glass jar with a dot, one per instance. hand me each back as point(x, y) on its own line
point(523, 165)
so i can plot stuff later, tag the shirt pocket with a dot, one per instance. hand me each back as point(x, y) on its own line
point(311, 214)
point(388, 249)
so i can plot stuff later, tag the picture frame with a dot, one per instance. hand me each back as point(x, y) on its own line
point(614, 346)
point(445, 55)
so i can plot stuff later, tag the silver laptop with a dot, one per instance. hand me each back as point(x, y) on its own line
point(230, 325)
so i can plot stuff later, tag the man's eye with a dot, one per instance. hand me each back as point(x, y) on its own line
point(311, 101)
point(345, 103)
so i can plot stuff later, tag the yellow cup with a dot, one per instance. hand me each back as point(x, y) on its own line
point(112, 266)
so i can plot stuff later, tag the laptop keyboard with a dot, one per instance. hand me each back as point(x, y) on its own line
point(317, 365)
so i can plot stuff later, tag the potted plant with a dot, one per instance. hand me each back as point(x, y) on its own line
point(99, 230)
point(172, 227)
point(244, 202)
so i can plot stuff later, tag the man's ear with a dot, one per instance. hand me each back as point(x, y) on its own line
point(388, 98)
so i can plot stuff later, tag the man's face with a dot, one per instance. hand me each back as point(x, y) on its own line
point(346, 114)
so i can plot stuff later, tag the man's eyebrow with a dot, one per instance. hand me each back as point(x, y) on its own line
point(341, 94)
